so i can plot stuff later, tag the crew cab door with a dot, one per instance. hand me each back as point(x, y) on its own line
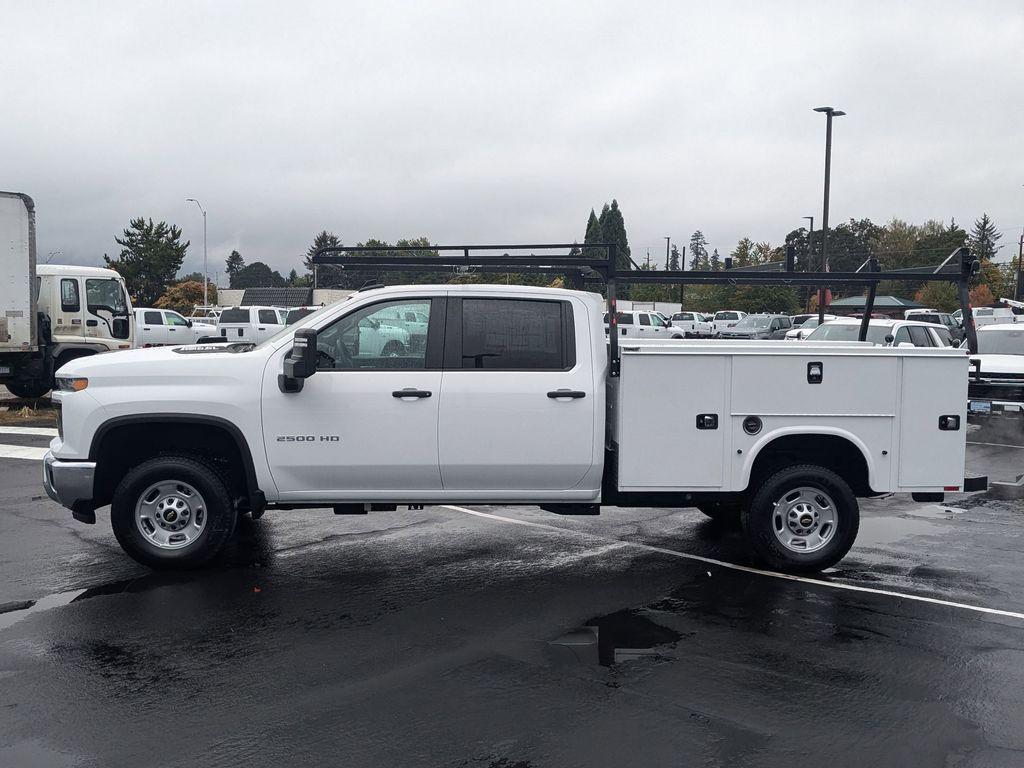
point(152, 332)
point(517, 397)
point(363, 427)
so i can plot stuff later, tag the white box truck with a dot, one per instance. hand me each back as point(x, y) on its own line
point(51, 314)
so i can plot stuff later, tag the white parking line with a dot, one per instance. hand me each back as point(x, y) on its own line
point(997, 445)
point(42, 431)
point(743, 568)
point(29, 452)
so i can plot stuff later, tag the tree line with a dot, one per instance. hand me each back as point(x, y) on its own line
point(152, 254)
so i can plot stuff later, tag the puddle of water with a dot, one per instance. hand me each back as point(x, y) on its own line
point(935, 511)
point(616, 638)
point(11, 618)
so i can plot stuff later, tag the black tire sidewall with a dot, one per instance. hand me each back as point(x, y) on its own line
point(220, 512)
point(757, 519)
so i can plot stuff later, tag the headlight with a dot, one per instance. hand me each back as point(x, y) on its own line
point(69, 384)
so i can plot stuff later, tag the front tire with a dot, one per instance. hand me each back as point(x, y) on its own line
point(172, 512)
point(802, 519)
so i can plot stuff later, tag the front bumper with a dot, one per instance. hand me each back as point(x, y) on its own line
point(70, 483)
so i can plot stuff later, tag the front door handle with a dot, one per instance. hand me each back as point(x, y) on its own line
point(410, 393)
point(570, 393)
point(92, 323)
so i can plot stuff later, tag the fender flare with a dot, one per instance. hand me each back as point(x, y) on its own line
point(810, 430)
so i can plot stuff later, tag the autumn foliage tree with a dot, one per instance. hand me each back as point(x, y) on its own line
point(185, 296)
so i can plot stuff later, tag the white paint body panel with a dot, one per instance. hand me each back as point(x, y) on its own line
point(18, 270)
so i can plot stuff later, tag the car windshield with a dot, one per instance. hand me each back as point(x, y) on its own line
point(849, 332)
point(1009, 342)
point(810, 322)
point(106, 293)
point(754, 321)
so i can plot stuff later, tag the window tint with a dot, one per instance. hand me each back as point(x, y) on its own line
point(152, 318)
point(69, 296)
point(294, 315)
point(515, 334)
point(376, 337)
point(267, 316)
point(625, 318)
point(173, 318)
point(236, 315)
point(902, 337)
point(786, 322)
point(645, 319)
point(945, 338)
point(920, 337)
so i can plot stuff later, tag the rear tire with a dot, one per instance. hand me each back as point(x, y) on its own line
point(802, 519)
point(172, 513)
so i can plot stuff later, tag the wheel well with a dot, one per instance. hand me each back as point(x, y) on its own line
point(124, 446)
point(830, 451)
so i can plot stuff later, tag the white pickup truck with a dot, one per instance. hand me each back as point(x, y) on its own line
point(508, 401)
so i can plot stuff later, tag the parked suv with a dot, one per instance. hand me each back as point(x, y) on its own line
point(758, 327)
point(945, 319)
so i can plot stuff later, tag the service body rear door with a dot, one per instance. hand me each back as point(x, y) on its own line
point(364, 427)
point(517, 396)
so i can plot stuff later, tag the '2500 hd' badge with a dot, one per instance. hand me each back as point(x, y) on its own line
point(308, 439)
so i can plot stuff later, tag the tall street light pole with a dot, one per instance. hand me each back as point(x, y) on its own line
point(668, 243)
point(830, 112)
point(206, 279)
point(810, 233)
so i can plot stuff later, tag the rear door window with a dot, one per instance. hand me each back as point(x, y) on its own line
point(268, 316)
point(69, 301)
point(920, 337)
point(238, 315)
point(645, 319)
point(514, 334)
point(152, 318)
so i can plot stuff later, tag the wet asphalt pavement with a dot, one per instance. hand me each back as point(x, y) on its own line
point(444, 638)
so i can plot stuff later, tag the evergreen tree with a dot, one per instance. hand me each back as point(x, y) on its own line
point(257, 275)
point(327, 275)
point(293, 278)
point(984, 238)
point(698, 251)
point(673, 259)
point(151, 255)
point(613, 230)
point(716, 261)
point(742, 254)
point(233, 264)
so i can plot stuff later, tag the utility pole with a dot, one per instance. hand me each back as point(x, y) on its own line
point(682, 286)
point(1019, 288)
point(668, 243)
point(830, 112)
point(810, 250)
point(206, 279)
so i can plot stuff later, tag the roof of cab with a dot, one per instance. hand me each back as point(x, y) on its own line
point(72, 270)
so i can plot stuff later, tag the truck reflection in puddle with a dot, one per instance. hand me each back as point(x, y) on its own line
point(615, 638)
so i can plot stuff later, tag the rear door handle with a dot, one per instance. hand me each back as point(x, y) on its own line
point(410, 393)
point(569, 393)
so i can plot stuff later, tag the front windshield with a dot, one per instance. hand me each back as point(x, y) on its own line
point(1009, 342)
point(753, 321)
point(106, 293)
point(811, 322)
point(849, 332)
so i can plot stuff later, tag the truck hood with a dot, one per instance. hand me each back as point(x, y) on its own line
point(1000, 363)
point(168, 365)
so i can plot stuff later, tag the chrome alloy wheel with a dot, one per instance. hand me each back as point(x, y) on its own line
point(804, 519)
point(170, 514)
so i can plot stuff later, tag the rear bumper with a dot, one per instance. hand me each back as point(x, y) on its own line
point(69, 483)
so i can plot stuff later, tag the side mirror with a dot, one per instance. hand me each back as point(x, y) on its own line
point(889, 339)
point(301, 360)
point(188, 323)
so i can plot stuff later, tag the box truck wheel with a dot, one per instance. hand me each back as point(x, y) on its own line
point(172, 512)
point(28, 389)
point(802, 519)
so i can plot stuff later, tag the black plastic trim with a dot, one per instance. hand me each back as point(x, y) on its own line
point(255, 494)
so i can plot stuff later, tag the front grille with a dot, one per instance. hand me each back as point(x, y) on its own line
point(989, 390)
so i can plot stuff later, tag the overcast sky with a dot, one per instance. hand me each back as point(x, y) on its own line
point(480, 121)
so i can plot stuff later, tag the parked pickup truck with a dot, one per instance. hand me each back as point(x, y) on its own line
point(509, 401)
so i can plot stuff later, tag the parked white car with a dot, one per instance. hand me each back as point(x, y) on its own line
point(249, 324)
point(997, 373)
point(886, 333)
point(694, 324)
point(808, 324)
point(644, 325)
point(162, 327)
point(725, 318)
